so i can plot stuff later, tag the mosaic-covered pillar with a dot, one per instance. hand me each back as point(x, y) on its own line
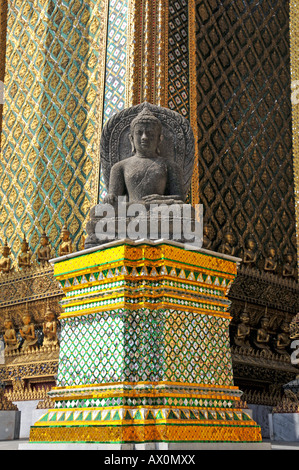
point(145, 354)
point(54, 56)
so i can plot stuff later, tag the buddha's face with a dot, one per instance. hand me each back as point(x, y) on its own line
point(8, 325)
point(250, 244)
point(146, 138)
point(24, 247)
point(265, 323)
point(272, 252)
point(44, 241)
point(26, 319)
point(49, 316)
point(6, 252)
point(229, 238)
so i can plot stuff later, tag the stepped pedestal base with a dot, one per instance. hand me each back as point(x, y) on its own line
point(145, 357)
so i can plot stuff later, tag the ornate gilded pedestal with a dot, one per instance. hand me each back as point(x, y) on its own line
point(145, 353)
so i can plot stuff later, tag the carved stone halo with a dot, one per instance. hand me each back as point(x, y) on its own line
point(177, 140)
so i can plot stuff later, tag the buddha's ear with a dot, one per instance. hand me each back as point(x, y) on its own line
point(132, 143)
point(159, 143)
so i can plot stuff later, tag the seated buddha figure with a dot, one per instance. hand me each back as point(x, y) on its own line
point(10, 336)
point(283, 339)
point(5, 262)
point(44, 250)
point(263, 336)
point(271, 260)
point(227, 247)
point(289, 268)
point(145, 176)
point(50, 329)
point(243, 331)
point(28, 332)
point(147, 160)
point(65, 247)
point(24, 259)
point(250, 255)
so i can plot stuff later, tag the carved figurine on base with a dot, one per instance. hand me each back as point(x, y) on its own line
point(5, 262)
point(28, 333)
point(227, 247)
point(24, 259)
point(289, 268)
point(44, 250)
point(283, 339)
point(10, 336)
point(263, 336)
point(146, 176)
point(271, 260)
point(243, 331)
point(147, 158)
point(50, 329)
point(65, 247)
point(250, 255)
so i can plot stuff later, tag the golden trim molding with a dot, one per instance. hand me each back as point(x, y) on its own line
point(193, 99)
point(294, 51)
point(147, 73)
point(104, 14)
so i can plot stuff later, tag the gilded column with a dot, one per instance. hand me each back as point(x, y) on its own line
point(294, 39)
point(50, 132)
point(3, 24)
point(148, 46)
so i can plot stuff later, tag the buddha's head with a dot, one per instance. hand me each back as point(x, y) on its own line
point(44, 239)
point(289, 258)
point(146, 134)
point(65, 234)
point(8, 324)
point(250, 244)
point(26, 318)
point(6, 250)
point(244, 317)
point(24, 245)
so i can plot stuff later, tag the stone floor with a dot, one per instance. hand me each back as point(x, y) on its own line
point(13, 445)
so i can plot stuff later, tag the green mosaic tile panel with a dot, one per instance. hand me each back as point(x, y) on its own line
point(143, 345)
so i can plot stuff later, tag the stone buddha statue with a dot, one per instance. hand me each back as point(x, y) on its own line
point(147, 158)
point(44, 250)
point(5, 262)
point(146, 176)
point(24, 259)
